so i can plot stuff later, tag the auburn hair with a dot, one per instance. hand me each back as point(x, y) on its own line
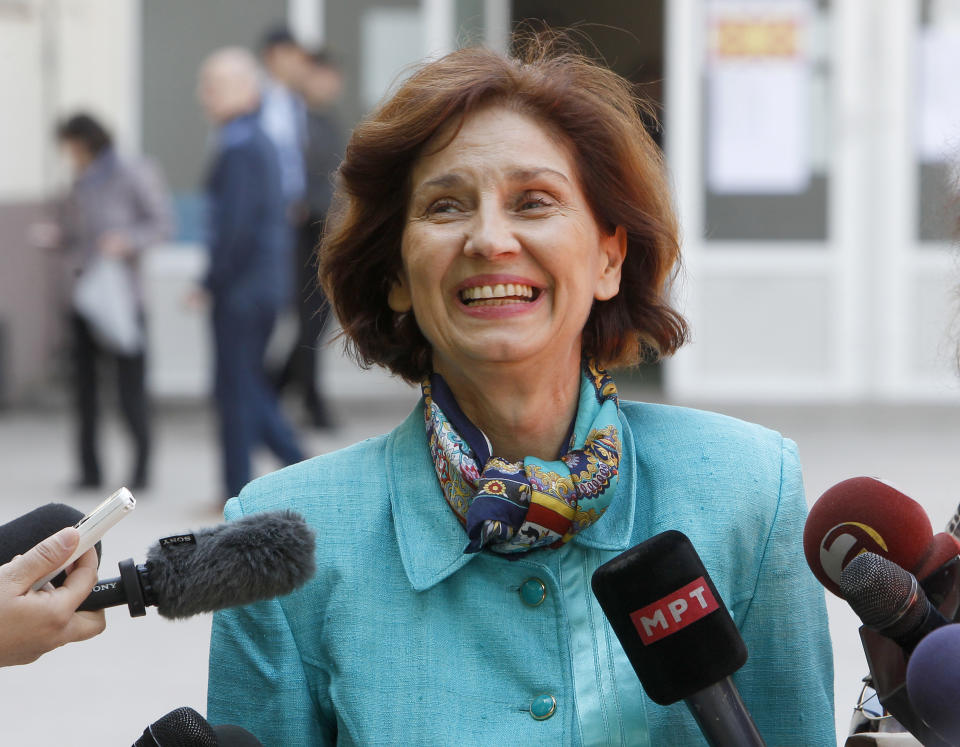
point(600, 118)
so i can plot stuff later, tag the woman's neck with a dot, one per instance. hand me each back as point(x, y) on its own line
point(525, 409)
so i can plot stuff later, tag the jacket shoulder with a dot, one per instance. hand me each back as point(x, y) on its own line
point(313, 486)
point(710, 475)
point(709, 434)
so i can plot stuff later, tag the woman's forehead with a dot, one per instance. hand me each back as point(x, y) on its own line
point(494, 141)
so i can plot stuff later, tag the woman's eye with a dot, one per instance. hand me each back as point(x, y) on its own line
point(532, 202)
point(443, 206)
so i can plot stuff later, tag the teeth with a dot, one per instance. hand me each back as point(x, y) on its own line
point(497, 291)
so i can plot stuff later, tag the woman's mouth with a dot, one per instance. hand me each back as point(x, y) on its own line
point(499, 294)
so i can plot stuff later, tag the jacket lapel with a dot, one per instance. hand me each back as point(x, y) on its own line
point(430, 538)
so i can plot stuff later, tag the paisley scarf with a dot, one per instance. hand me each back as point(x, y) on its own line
point(515, 507)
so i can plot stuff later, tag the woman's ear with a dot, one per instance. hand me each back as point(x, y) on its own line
point(613, 251)
point(398, 299)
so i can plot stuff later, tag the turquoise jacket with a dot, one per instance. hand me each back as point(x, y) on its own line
point(401, 638)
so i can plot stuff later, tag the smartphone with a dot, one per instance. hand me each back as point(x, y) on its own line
point(95, 524)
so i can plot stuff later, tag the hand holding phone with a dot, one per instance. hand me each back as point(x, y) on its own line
point(94, 525)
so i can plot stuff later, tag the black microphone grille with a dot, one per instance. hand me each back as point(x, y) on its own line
point(881, 593)
point(183, 727)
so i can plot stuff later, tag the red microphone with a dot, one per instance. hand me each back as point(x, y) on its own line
point(864, 514)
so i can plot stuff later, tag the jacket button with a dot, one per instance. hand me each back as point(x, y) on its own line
point(533, 591)
point(543, 707)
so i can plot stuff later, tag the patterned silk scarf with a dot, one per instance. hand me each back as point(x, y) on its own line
point(515, 507)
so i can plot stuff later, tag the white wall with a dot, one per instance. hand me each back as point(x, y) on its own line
point(58, 57)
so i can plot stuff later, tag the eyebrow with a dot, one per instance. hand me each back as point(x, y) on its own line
point(521, 175)
point(447, 181)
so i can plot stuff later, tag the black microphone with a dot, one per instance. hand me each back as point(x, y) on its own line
point(21, 534)
point(184, 727)
point(677, 634)
point(257, 557)
point(889, 600)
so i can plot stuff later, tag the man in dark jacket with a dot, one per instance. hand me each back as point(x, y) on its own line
point(248, 277)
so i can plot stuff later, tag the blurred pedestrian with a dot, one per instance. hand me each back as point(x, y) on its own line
point(283, 115)
point(248, 277)
point(115, 209)
point(320, 86)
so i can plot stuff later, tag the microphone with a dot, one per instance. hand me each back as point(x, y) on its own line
point(21, 534)
point(257, 557)
point(865, 514)
point(184, 727)
point(933, 681)
point(678, 634)
point(889, 600)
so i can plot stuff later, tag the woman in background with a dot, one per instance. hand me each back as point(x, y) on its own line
point(115, 209)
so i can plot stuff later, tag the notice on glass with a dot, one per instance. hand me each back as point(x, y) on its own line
point(758, 98)
point(939, 94)
point(391, 40)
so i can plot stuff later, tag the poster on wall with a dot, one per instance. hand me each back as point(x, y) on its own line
point(938, 61)
point(758, 85)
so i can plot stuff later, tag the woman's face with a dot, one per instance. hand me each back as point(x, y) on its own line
point(502, 257)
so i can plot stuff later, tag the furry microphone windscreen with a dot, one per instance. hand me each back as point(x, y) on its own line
point(254, 558)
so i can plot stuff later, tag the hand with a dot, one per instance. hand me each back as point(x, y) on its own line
point(115, 244)
point(197, 298)
point(34, 622)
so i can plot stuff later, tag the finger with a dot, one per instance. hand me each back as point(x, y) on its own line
point(84, 625)
point(23, 571)
point(79, 584)
point(88, 560)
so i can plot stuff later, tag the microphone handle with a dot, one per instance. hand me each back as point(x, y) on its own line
point(722, 716)
point(131, 588)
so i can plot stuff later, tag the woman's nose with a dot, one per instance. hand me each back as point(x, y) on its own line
point(490, 235)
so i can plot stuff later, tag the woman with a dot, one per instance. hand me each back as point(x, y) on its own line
point(505, 233)
point(116, 209)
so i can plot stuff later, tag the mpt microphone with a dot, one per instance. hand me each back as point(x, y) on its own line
point(933, 681)
point(677, 634)
point(257, 557)
point(21, 534)
point(889, 600)
point(184, 727)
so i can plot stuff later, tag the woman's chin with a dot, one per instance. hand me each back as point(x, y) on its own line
point(508, 350)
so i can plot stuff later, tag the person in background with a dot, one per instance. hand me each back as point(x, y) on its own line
point(248, 276)
point(35, 622)
point(116, 208)
point(283, 115)
point(320, 86)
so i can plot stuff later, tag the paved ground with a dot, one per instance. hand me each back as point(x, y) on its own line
point(106, 690)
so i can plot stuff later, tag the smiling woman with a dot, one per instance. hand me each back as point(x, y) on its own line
point(503, 234)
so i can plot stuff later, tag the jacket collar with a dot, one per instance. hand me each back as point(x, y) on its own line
point(431, 539)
